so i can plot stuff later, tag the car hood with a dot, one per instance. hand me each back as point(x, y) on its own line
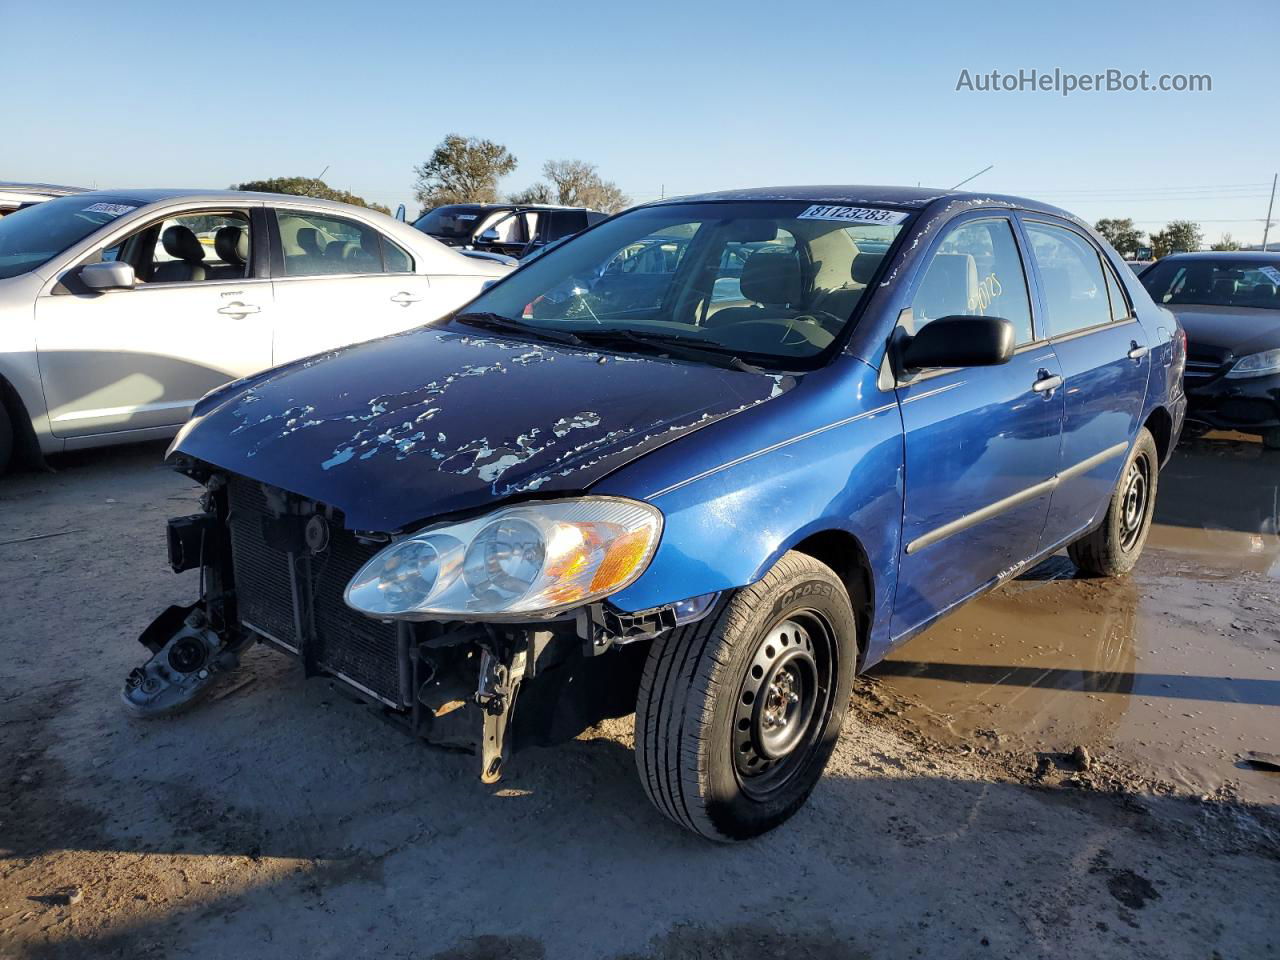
point(1235, 330)
point(435, 421)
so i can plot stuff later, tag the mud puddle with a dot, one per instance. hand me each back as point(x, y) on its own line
point(1174, 669)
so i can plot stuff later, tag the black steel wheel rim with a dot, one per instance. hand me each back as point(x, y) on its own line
point(783, 703)
point(1135, 494)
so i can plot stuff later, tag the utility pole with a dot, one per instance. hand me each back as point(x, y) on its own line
point(1266, 229)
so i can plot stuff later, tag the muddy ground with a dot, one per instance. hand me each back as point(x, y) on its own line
point(282, 820)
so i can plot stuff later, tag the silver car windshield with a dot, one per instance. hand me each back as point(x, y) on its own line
point(33, 236)
point(771, 282)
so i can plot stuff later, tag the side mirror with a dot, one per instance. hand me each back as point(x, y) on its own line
point(489, 236)
point(112, 275)
point(959, 342)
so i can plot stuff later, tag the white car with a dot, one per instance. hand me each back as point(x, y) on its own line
point(120, 309)
point(19, 196)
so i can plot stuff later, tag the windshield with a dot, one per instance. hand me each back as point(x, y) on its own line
point(1214, 282)
point(34, 235)
point(771, 282)
point(455, 222)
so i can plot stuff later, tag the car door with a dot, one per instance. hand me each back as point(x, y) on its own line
point(198, 316)
point(980, 444)
point(511, 235)
point(339, 281)
point(1105, 360)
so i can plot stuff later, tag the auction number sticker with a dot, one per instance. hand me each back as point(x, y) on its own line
point(115, 209)
point(824, 211)
point(1271, 272)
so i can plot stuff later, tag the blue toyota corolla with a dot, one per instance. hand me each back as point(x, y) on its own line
point(702, 463)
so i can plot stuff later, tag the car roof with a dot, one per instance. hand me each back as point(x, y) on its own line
point(43, 189)
point(911, 198)
point(511, 206)
point(1263, 256)
point(159, 195)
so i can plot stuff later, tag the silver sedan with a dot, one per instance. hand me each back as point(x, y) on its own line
point(120, 309)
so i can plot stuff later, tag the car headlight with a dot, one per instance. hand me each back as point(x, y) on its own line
point(1256, 365)
point(533, 560)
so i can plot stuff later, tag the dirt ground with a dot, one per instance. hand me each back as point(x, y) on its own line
point(957, 819)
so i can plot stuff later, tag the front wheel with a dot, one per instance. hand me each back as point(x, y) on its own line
point(1114, 547)
point(738, 713)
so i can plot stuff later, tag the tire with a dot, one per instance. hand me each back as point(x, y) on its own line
point(1271, 439)
point(6, 439)
point(793, 637)
point(1113, 548)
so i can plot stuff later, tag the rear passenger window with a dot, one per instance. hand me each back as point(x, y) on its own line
point(316, 245)
point(396, 260)
point(1119, 303)
point(976, 272)
point(1075, 289)
point(564, 223)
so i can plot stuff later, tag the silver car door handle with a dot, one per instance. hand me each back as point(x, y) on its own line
point(404, 298)
point(1047, 384)
point(238, 309)
point(1136, 352)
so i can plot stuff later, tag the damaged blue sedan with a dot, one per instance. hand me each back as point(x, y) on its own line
point(702, 463)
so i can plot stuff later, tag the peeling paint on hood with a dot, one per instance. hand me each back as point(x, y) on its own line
point(433, 421)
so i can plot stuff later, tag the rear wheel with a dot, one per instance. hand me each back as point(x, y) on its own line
point(1114, 547)
point(6, 439)
point(738, 714)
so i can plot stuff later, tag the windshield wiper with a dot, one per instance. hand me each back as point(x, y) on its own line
point(674, 344)
point(496, 321)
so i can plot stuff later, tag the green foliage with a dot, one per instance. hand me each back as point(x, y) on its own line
point(462, 170)
point(1178, 236)
point(1226, 243)
point(1121, 234)
point(308, 187)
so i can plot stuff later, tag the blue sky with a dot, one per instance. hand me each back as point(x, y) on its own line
point(681, 97)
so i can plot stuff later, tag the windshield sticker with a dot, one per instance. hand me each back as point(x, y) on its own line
point(115, 209)
point(465, 216)
point(1272, 273)
point(822, 211)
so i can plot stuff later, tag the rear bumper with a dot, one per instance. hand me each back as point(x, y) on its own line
point(1249, 406)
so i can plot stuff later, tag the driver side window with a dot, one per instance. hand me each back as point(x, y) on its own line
point(975, 271)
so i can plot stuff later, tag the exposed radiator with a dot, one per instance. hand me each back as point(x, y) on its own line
point(347, 644)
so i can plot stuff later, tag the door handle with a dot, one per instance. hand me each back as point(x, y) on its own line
point(1136, 352)
point(1047, 384)
point(404, 298)
point(238, 309)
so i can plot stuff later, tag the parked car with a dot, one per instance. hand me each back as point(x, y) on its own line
point(18, 196)
point(514, 229)
point(1138, 266)
point(1229, 304)
point(711, 513)
point(118, 310)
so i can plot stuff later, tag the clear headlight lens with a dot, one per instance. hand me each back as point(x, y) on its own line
point(1256, 365)
point(532, 560)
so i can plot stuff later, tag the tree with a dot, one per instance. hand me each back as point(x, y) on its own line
point(1226, 243)
point(462, 170)
point(537, 193)
point(1121, 234)
point(574, 183)
point(307, 187)
point(1177, 236)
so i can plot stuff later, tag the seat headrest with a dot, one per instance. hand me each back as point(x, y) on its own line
point(181, 243)
point(309, 240)
point(864, 267)
point(231, 245)
point(340, 250)
point(772, 277)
